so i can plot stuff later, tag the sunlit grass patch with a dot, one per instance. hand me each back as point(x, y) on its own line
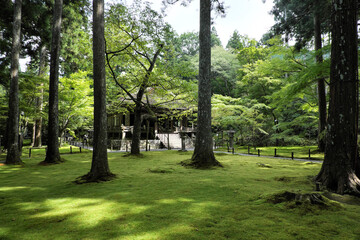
point(154, 197)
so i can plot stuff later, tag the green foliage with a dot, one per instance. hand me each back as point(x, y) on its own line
point(187, 44)
point(30, 89)
point(215, 40)
point(224, 69)
point(142, 59)
point(76, 51)
point(245, 117)
point(75, 102)
point(285, 81)
point(131, 47)
point(234, 41)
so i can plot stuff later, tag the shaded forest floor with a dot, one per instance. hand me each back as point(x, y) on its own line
point(154, 197)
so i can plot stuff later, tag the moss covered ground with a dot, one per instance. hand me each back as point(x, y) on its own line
point(154, 197)
point(281, 151)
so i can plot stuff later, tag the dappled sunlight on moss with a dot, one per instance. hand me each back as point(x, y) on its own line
point(9, 169)
point(84, 212)
point(86, 161)
point(201, 207)
point(174, 201)
point(4, 189)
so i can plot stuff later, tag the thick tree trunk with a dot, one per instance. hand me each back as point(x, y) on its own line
point(13, 154)
point(100, 170)
point(203, 156)
point(135, 142)
point(321, 84)
point(52, 154)
point(341, 152)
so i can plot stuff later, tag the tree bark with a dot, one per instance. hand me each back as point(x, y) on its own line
point(39, 101)
point(341, 152)
point(135, 141)
point(321, 81)
point(203, 156)
point(52, 153)
point(13, 153)
point(100, 170)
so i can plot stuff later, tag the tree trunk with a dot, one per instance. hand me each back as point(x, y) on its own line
point(39, 101)
point(100, 170)
point(13, 153)
point(135, 141)
point(52, 154)
point(203, 156)
point(147, 135)
point(321, 83)
point(341, 152)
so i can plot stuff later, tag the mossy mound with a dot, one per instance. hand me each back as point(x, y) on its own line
point(263, 165)
point(161, 170)
point(284, 179)
point(133, 155)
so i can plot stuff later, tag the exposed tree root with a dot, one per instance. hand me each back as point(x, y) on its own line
point(201, 163)
point(91, 178)
point(52, 162)
point(308, 202)
point(342, 183)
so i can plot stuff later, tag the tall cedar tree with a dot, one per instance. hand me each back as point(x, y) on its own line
point(341, 151)
point(52, 153)
point(13, 154)
point(37, 128)
point(203, 156)
point(320, 81)
point(100, 170)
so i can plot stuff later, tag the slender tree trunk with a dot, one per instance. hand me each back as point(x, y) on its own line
point(135, 142)
point(341, 152)
point(203, 156)
point(13, 154)
point(39, 101)
point(100, 170)
point(52, 154)
point(321, 83)
point(147, 134)
point(33, 134)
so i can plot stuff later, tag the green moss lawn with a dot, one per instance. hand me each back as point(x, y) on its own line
point(153, 197)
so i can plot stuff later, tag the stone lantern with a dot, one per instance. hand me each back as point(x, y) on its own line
point(183, 136)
